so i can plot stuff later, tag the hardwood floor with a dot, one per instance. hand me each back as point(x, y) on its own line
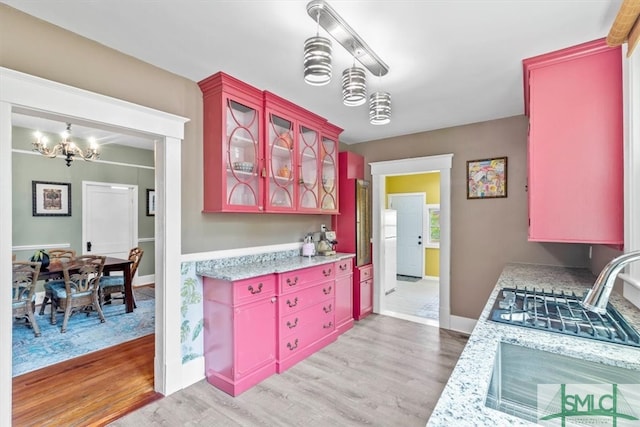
point(91, 390)
point(383, 372)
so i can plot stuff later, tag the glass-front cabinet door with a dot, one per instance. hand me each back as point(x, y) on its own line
point(281, 164)
point(242, 152)
point(329, 169)
point(309, 181)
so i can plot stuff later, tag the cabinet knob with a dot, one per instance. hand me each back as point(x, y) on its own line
point(273, 300)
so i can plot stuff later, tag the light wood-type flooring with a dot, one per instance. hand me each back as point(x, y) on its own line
point(383, 372)
point(90, 390)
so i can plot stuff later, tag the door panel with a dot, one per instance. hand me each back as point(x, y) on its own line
point(109, 219)
point(410, 251)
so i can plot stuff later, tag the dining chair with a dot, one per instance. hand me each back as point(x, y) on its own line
point(115, 284)
point(56, 258)
point(25, 278)
point(79, 291)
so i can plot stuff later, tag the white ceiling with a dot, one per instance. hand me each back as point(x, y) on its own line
point(451, 62)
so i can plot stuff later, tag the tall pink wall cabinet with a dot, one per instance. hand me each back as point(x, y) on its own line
point(353, 229)
point(306, 313)
point(263, 153)
point(344, 295)
point(240, 332)
point(573, 98)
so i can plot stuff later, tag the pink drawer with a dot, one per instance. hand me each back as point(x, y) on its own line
point(344, 267)
point(253, 289)
point(294, 280)
point(319, 325)
point(366, 272)
point(293, 302)
point(305, 319)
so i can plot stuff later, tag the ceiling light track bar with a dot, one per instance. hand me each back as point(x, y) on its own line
point(321, 12)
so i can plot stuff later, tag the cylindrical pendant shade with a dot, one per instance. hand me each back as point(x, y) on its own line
point(317, 61)
point(380, 108)
point(354, 89)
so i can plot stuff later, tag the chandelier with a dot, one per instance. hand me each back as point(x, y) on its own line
point(66, 147)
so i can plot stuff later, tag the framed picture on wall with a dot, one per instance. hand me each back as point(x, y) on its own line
point(151, 202)
point(487, 178)
point(51, 198)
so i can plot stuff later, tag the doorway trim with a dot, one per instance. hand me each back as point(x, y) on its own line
point(379, 170)
point(27, 94)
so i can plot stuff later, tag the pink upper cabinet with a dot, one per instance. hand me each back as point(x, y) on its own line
point(573, 98)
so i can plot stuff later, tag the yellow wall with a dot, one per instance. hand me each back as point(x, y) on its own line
point(419, 183)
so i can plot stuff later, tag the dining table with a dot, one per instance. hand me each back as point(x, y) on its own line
point(111, 264)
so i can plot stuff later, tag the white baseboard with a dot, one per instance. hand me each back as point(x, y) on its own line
point(462, 324)
point(192, 372)
point(144, 280)
point(431, 277)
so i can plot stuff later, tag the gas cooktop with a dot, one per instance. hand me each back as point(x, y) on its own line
point(561, 313)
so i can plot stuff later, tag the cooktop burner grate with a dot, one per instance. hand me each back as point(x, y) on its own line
point(562, 313)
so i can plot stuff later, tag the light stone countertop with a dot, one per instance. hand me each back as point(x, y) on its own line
point(462, 402)
point(254, 269)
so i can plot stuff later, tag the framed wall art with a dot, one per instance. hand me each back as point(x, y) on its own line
point(151, 202)
point(51, 198)
point(487, 178)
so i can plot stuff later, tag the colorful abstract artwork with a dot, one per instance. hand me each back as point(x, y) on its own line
point(487, 178)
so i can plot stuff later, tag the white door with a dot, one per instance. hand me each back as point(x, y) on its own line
point(410, 251)
point(109, 218)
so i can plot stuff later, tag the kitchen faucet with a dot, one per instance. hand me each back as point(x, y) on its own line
point(598, 296)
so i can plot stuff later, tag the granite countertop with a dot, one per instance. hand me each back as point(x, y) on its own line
point(462, 402)
point(246, 269)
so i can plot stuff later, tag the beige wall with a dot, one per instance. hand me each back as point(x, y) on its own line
point(35, 47)
point(485, 234)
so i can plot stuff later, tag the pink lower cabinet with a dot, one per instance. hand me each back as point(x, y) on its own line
point(239, 332)
point(344, 295)
point(306, 313)
point(363, 291)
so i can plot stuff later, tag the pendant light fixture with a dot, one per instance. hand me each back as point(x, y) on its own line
point(317, 58)
point(380, 108)
point(354, 88)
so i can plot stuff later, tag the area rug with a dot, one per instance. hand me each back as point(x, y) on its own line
point(85, 334)
point(403, 278)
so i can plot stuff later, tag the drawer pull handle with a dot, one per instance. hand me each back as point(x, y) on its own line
point(327, 326)
point(293, 346)
point(292, 282)
point(327, 309)
point(255, 291)
point(292, 325)
point(294, 303)
point(326, 291)
point(326, 273)
point(343, 267)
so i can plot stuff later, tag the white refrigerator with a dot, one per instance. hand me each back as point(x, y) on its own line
point(389, 249)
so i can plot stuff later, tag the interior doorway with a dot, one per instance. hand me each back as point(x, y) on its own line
point(26, 94)
point(379, 172)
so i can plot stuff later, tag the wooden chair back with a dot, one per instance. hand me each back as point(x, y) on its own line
point(82, 274)
point(25, 277)
point(135, 255)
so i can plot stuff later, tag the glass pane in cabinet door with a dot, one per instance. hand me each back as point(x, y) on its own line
point(241, 149)
point(280, 162)
point(328, 154)
point(308, 147)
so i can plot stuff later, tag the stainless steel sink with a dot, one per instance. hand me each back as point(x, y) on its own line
point(518, 370)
